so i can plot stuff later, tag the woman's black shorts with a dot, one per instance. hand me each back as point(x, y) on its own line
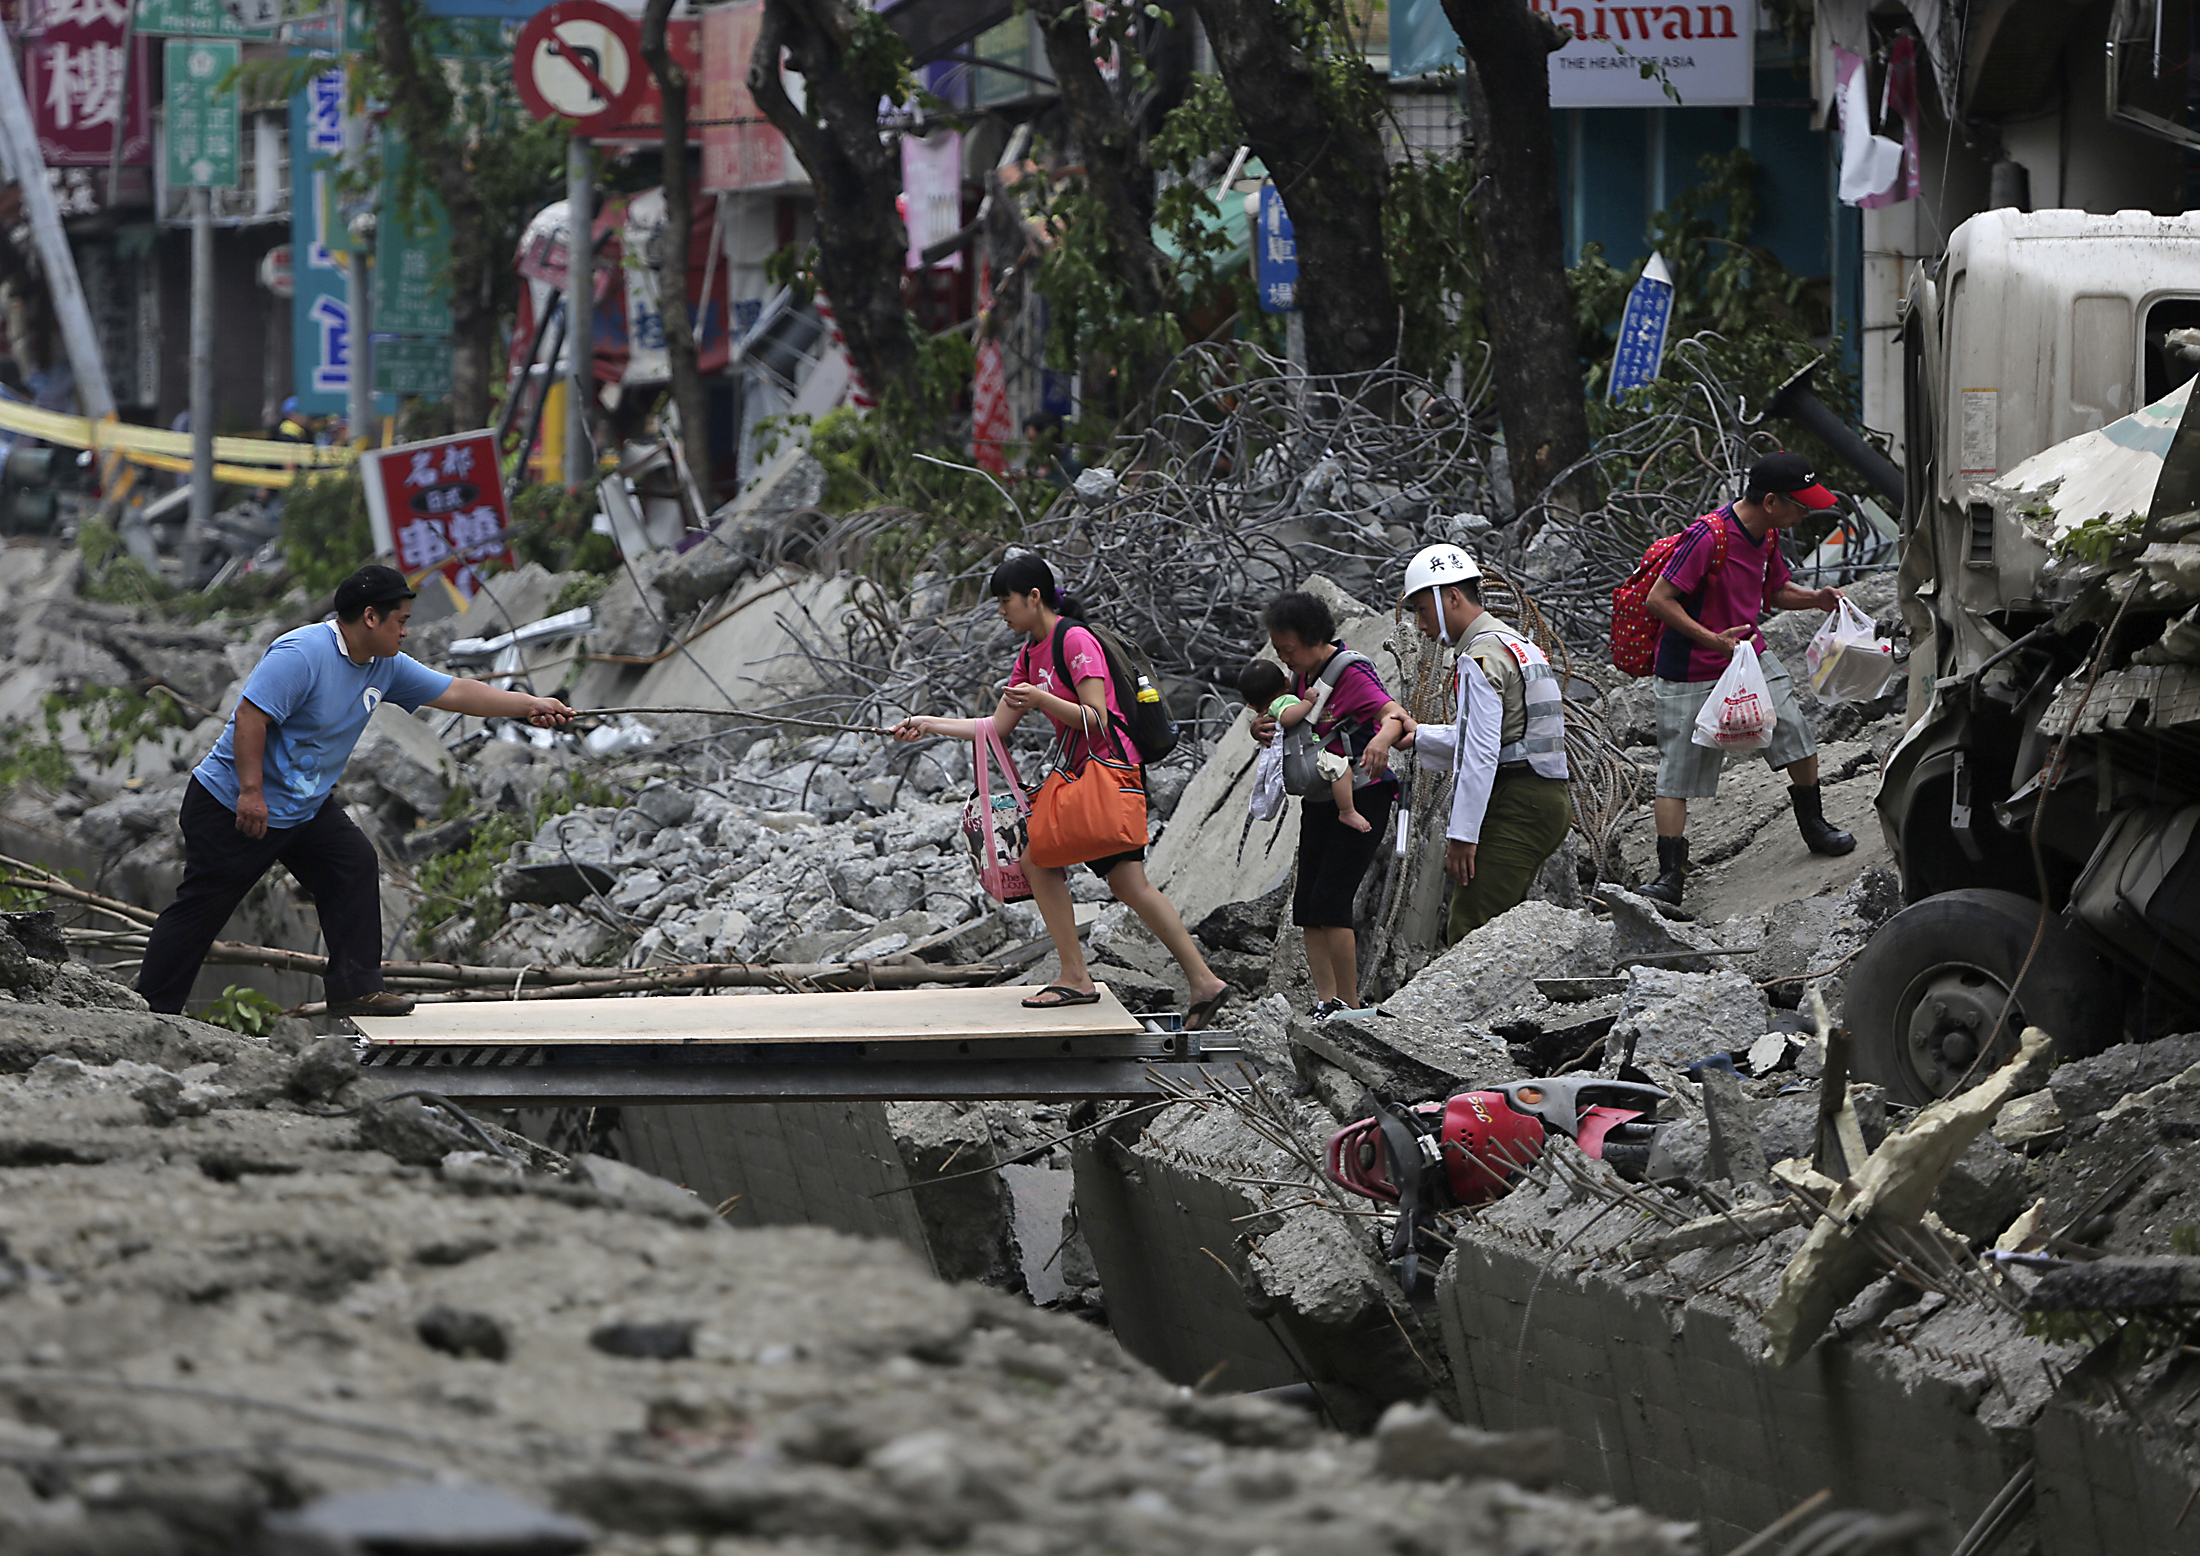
point(1333, 857)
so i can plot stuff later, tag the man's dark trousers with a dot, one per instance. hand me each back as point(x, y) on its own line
point(332, 860)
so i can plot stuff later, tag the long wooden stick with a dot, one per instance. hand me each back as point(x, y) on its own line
point(23, 873)
point(741, 713)
point(846, 977)
point(500, 980)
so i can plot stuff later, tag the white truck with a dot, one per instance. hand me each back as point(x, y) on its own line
point(2043, 803)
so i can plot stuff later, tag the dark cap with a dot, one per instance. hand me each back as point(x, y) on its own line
point(1791, 476)
point(373, 587)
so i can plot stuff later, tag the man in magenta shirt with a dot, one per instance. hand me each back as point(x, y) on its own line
point(1710, 598)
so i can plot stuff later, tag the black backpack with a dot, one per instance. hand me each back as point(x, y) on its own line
point(1146, 719)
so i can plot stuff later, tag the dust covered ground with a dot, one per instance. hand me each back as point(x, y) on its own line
point(232, 1287)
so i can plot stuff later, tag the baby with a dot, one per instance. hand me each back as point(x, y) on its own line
point(1265, 690)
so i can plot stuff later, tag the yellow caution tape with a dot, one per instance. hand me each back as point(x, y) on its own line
point(227, 475)
point(148, 445)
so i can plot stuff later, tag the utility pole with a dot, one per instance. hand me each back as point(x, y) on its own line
point(202, 358)
point(75, 318)
point(359, 382)
point(580, 293)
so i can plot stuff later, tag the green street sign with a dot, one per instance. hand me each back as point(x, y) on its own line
point(447, 37)
point(412, 252)
point(202, 120)
point(208, 18)
point(412, 365)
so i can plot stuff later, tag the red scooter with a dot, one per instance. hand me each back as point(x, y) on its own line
point(1485, 1139)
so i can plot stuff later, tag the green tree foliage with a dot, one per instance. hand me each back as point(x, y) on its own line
point(554, 527)
point(326, 535)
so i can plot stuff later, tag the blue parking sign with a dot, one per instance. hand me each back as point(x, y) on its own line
point(1641, 348)
point(1275, 254)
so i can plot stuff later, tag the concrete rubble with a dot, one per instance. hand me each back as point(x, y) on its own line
point(815, 1325)
point(237, 1304)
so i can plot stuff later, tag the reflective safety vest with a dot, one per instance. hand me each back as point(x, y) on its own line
point(1543, 744)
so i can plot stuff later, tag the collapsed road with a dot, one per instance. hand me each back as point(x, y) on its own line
point(241, 1294)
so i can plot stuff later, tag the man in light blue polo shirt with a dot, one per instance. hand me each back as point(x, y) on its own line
point(264, 794)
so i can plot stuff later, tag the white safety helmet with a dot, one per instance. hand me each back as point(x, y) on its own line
point(1438, 567)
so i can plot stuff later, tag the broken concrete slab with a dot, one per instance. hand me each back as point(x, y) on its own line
point(2084, 1086)
point(1494, 970)
point(1419, 1442)
point(1681, 1017)
point(1641, 934)
point(1736, 1152)
point(402, 755)
point(1405, 1059)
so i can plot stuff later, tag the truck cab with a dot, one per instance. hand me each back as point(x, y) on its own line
point(2042, 803)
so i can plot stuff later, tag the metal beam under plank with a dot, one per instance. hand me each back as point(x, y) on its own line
point(597, 1085)
point(867, 1016)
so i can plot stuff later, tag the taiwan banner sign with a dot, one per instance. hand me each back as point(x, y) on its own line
point(320, 312)
point(1616, 56)
point(438, 507)
point(1641, 348)
point(74, 76)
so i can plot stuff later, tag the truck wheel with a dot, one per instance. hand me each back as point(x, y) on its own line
point(1924, 997)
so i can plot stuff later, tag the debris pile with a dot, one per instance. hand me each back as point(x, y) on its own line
point(244, 1298)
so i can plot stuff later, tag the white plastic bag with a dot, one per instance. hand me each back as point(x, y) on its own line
point(1848, 661)
point(1737, 716)
point(1268, 780)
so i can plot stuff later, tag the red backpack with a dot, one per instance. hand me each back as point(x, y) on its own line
point(1635, 631)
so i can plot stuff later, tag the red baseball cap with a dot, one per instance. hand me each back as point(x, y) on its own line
point(1791, 476)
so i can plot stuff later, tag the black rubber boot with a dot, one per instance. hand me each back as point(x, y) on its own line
point(1672, 872)
point(1819, 835)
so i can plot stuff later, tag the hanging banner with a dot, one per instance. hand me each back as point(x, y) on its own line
point(438, 507)
point(1706, 53)
point(741, 149)
point(201, 114)
point(74, 77)
point(320, 313)
point(647, 360)
point(931, 184)
point(1641, 349)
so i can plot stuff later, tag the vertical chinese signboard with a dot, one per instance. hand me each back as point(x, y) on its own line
point(1275, 254)
point(75, 78)
point(1640, 350)
point(741, 149)
point(202, 112)
point(412, 281)
point(438, 507)
point(320, 316)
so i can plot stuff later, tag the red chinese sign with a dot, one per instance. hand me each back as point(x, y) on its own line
point(438, 507)
point(741, 149)
point(74, 69)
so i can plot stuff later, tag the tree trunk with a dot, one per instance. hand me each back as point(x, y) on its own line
point(1331, 171)
point(1529, 313)
point(421, 108)
point(861, 244)
point(672, 268)
point(1116, 172)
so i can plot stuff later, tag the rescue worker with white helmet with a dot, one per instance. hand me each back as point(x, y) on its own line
point(1505, 747)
